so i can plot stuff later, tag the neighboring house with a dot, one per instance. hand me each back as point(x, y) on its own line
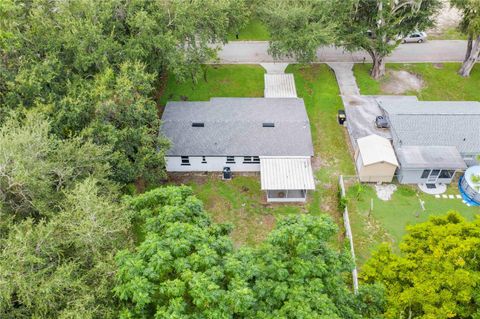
point(428, 164)
point(267, 135)
point(375, 159)
point(433, 140)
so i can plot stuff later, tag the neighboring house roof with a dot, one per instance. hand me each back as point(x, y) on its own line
point(435, 124)
point(283, 173)
point(234, 127)
point(280, 85)
point(430, 157)
point(376, 149)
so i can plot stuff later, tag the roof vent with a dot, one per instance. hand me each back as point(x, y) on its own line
point(268, 125)
point(197, 124)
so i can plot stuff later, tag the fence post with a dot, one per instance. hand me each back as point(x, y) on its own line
point(348, 231)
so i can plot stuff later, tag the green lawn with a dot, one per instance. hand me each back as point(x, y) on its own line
point(255, 30)
point(317, 85)
point(222, 81)
point(441, 81)
point(389, 219)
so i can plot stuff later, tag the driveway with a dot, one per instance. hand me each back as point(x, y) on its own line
point(431, 51)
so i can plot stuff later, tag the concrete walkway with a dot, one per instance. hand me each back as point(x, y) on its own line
point(277, 83)
point(431, 51)
point(345, 78)
point(274, 68)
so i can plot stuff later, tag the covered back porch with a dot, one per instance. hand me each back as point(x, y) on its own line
point(286, 179)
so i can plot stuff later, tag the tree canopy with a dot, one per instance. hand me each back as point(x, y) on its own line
point(377, 27)
point(436, 274)
point(92, 67)
point(63, 266)
point(61, 224)
point(186, 267)
point(36, 167)
point(469, 25)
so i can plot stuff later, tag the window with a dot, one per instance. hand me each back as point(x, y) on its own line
point(435, 173)
point(230, 159)
point(251, 160)
point(268, 124)
point(446, 174)
point(425, 173)
point(198, 124)
point(185, 161)
point(204, 160)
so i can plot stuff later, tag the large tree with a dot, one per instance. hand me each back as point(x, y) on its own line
point(186, 267)
point(63, 266)
point(436, 274)
point(298, 28)
point(379, 26)
point(375, 26)
point(92, 66)
point(36, 167)
point(470, 25)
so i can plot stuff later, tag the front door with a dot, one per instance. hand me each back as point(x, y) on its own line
point(432, 178)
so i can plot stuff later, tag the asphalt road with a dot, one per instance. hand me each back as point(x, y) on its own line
point(430, 51)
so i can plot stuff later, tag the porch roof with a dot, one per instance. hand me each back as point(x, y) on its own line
point(286, 173)
point(430, 157)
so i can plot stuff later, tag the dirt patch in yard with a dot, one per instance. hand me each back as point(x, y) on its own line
point(447, 18)
point(401, 82)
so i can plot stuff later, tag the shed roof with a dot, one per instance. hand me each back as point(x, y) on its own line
point(234, 127)
point(283, 173)
point(435, 124)
point(430, 157)
point(376, 149)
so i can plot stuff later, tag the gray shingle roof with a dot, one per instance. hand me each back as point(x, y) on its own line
point(233, 127)
point(435, 124)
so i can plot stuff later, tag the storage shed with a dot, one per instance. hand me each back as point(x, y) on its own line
point(375, 159)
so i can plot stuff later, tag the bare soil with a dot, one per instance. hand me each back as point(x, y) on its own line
point(447, 18)
point(401, 82)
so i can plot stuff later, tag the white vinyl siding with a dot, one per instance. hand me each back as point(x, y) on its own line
point(210, 164)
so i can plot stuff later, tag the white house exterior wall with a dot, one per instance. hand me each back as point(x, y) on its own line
point(213, 164)
point(414, 176)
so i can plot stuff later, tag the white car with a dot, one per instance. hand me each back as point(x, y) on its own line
point(415, 37)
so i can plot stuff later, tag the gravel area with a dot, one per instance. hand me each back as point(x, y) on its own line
point(385, 192)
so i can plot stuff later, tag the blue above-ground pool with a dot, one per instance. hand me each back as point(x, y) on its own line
point(470, 189)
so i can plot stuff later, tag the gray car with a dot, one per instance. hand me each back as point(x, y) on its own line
point(415, 37)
